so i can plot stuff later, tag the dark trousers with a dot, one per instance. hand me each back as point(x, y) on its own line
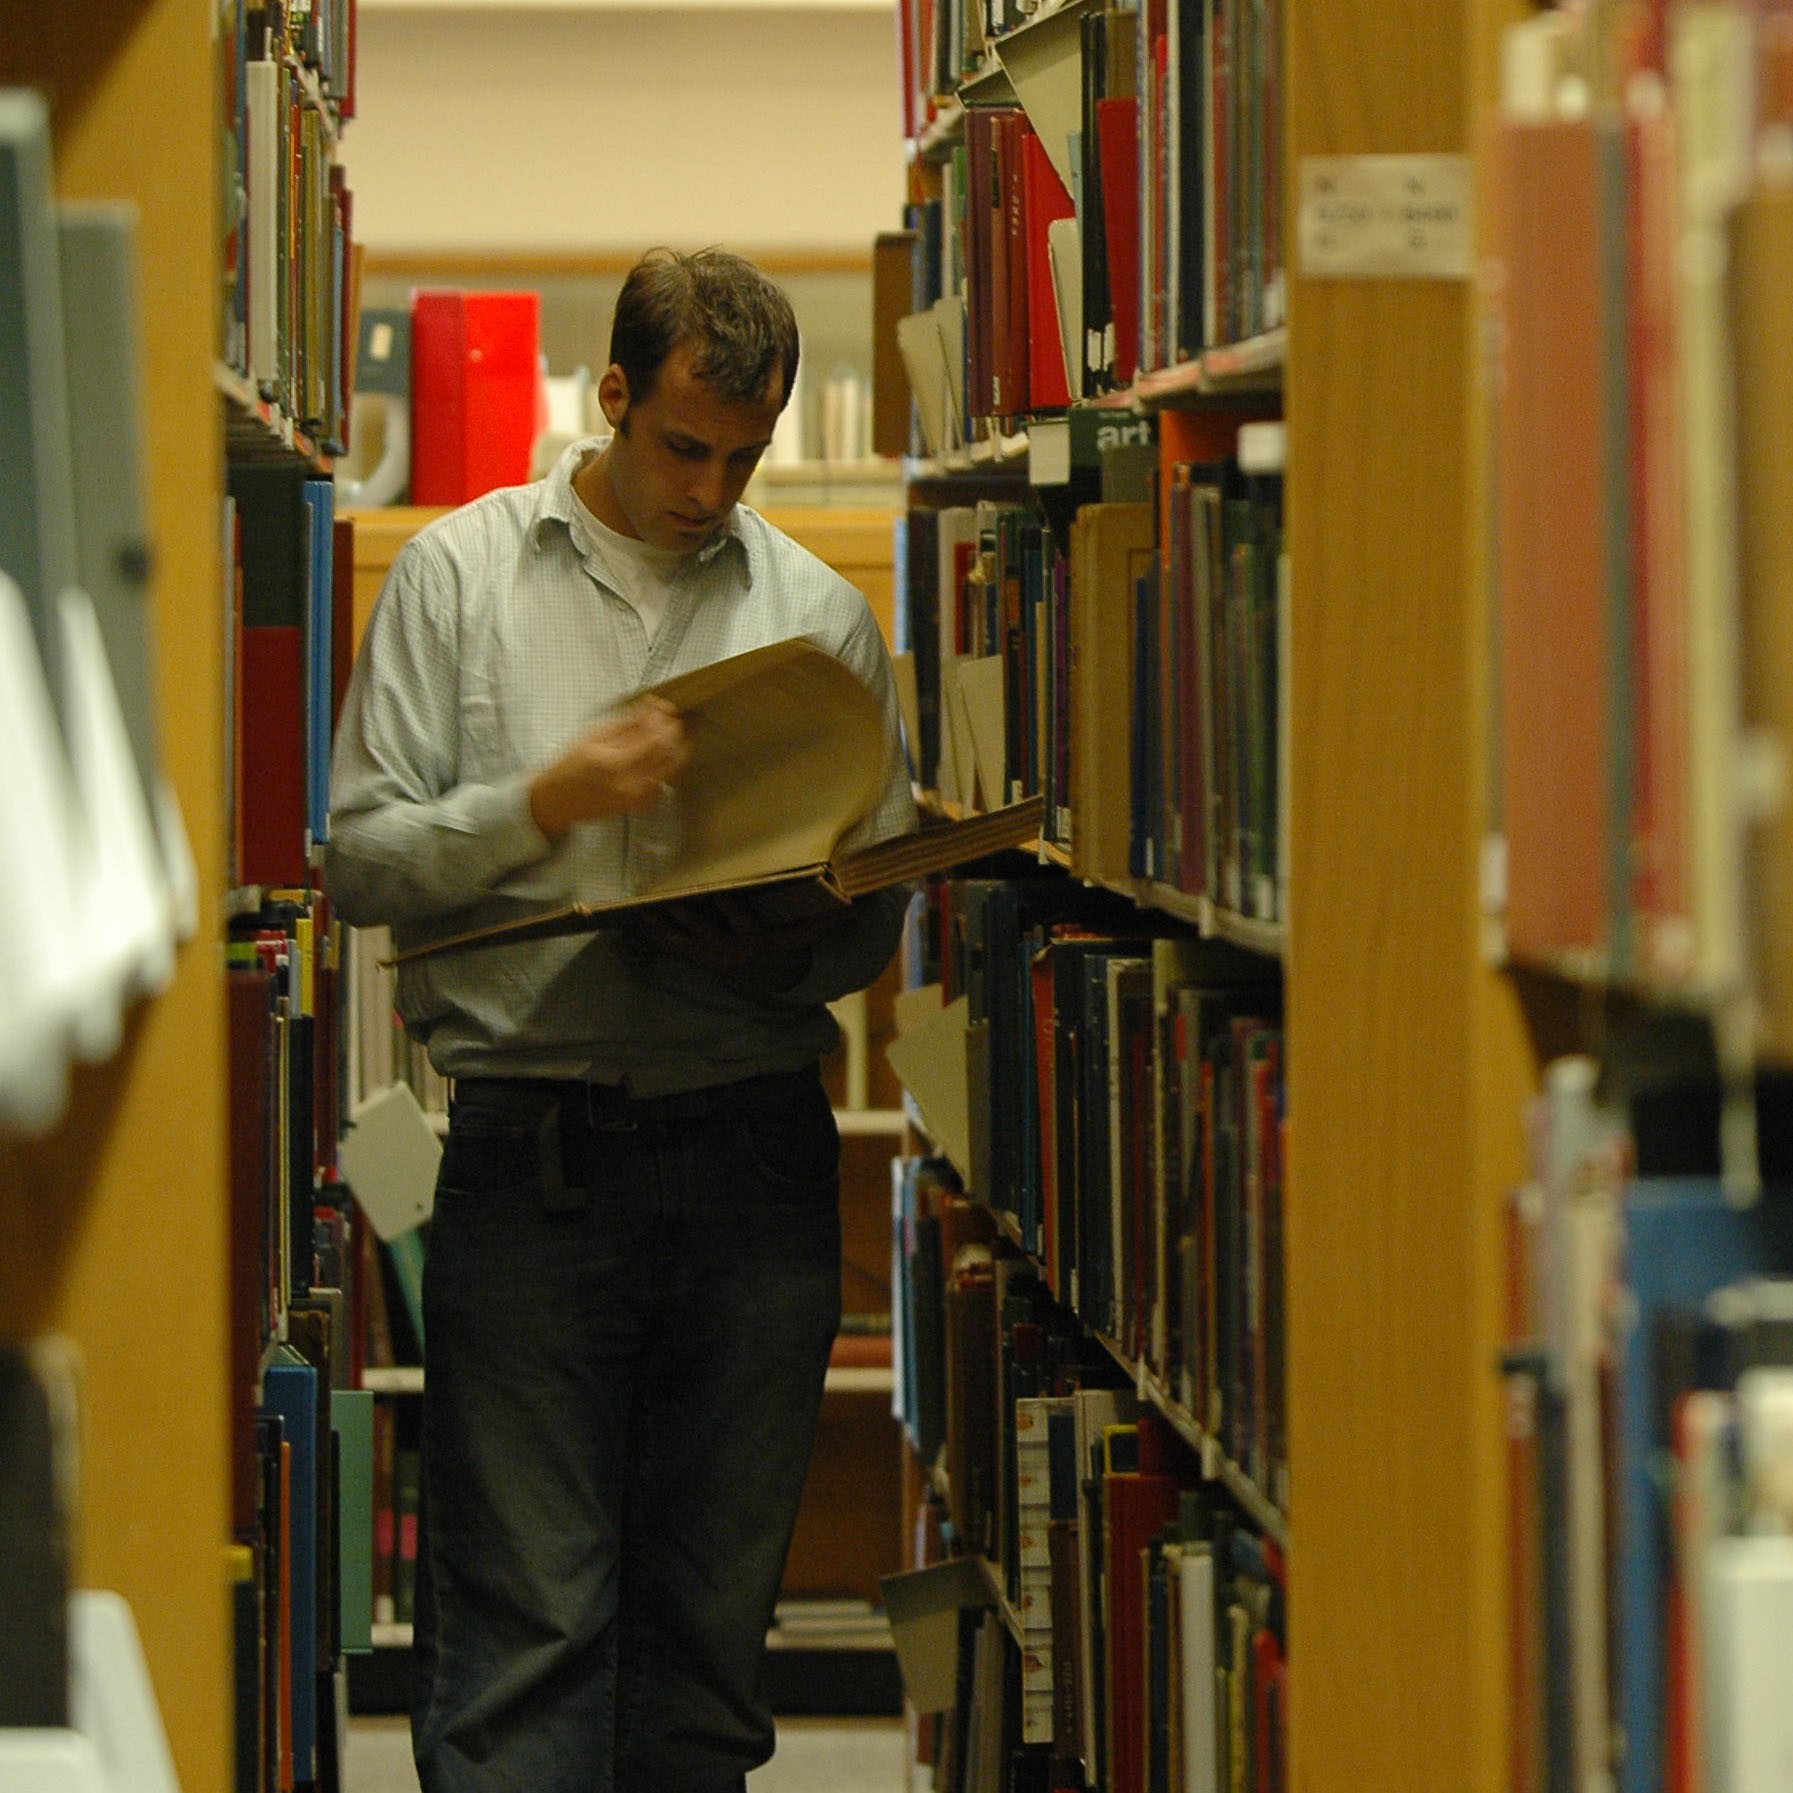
point(628, 1310)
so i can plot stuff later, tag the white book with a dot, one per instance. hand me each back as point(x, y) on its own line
point(390, 1156)
point(41, 969)
point(1199, 1691)
point(1749, 1643)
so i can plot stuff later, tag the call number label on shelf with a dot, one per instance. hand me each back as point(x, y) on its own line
point(1385, 217)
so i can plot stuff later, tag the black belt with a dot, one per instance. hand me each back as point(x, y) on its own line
point(611, 1108)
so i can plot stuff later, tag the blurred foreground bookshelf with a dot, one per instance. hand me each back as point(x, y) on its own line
point(77, 1205)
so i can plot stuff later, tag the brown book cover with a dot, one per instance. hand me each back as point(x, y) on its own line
point(1554, 707)
point(971, 1353)
point(1661, 822)
point(1013, 349)
point(1104, 537)
point(893, 297)
point(1762, 321)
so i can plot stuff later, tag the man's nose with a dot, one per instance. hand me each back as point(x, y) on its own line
point(710, 485)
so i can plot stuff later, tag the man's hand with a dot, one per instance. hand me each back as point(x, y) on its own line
point(727, 934)
point(622, 767)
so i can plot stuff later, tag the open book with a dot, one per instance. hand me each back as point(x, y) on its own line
point(787, 757)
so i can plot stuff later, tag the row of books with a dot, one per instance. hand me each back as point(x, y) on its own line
point(1207, 121)
point(380, 1052)
point(397, 1493)
point(1124, 1082)
point(1125, 666)
point(1650, 1371)
point(289, 572)
point(1111, 206)
point(308, 1282)
point(308, 1599)
point(291, 268)
point(1130, 1633)
point(283, 997)
point(91, 914)
point(1200, 577)
point(1642, 232)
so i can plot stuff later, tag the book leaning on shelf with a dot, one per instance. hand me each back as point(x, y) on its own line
point(787, 757)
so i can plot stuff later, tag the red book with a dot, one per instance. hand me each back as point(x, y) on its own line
point(271, 700)
point(475, 381)
point(1136, 1506)
point(980, 163)
point(1117, 137)
point(1661, 818)
point(1043, 202)
point(1015, 349)
point(1268, 1678)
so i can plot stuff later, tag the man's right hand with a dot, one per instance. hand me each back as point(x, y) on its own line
point(622, 767)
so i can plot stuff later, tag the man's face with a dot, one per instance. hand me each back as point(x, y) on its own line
point(680, 457)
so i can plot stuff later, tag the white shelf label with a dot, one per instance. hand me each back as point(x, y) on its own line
point(1385, 217)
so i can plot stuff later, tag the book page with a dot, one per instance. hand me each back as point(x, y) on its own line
point(787, 754)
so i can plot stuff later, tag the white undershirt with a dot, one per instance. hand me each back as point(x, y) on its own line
point(647, 576)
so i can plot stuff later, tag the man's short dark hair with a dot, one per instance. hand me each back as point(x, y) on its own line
point(738, 324)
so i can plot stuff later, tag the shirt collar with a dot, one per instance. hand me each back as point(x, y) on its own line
point(555, 502)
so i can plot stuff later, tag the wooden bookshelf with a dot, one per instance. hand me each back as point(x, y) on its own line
point(1408, 1062)
point(112, 1231)
point(1409, 1058)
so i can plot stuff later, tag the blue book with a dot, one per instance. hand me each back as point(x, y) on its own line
point(1684, 1239)
point(320, 512)
point(290, 1390)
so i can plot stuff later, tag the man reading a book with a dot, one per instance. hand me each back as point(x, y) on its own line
point(632, 1280)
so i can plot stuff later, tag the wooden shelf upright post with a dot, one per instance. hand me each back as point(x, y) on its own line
point(1408, 1062)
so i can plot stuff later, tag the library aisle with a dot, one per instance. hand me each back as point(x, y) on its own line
point(815, 1755)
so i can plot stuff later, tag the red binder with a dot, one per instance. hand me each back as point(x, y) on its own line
point(1044, 201)
point(475, 392)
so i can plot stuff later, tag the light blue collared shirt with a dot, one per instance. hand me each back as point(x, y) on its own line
point(497, 642)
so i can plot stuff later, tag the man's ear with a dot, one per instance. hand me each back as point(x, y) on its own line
point(613, 396)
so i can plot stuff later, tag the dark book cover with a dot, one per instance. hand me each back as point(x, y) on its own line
point(290, 1391)
point(250, 1025)
point(34, 1565)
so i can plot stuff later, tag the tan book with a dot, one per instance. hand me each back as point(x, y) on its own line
point(787, 759)
point(1105, 538)
point(1762, 302)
